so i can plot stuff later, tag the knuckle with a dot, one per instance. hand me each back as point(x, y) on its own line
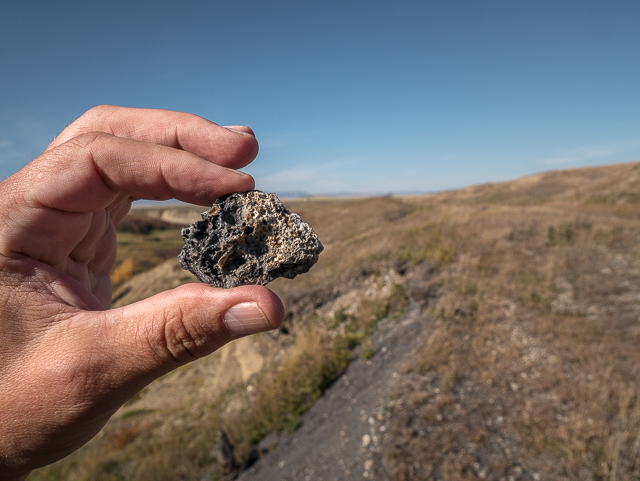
point(90, 120)
point(80, 142)
point(99, 112)
point(181, 340)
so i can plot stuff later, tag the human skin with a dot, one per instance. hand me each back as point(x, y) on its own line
point(67, 361)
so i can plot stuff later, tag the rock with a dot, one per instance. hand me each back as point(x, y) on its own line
point(223, 451)
point(248, 238)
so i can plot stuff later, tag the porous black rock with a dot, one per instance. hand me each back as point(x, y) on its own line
point(248, 238)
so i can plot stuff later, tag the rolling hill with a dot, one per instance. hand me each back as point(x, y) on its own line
point(491, 332)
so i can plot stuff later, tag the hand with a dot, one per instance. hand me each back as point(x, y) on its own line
point(66, 362)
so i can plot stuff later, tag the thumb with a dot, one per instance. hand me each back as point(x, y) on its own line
point(154, 336)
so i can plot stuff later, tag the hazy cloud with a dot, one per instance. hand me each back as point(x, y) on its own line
point(316, 178)
point(349, 177)
point(594, 152)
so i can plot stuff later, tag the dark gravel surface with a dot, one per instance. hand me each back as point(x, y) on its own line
point(338, 438)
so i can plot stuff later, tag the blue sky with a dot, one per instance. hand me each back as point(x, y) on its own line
point(351, 96)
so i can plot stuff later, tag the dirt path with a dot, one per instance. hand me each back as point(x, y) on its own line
point(337, 439)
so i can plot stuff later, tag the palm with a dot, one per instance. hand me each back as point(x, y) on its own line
point(80, 245)
point(87, 249)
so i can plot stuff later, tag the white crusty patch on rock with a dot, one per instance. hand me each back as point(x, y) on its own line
point(248, 238)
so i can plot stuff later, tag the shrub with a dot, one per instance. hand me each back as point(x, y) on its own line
point(124, 271)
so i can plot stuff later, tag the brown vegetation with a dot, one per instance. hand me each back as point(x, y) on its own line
point(528, 367)
point(530, 370)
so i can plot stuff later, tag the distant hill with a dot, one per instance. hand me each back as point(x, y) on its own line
point(618, 183)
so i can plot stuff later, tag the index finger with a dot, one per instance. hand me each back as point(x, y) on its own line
point(90, 171)
point(229, 147)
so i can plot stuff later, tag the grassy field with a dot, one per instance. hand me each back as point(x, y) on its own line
point(532, 365)
point(528, 371)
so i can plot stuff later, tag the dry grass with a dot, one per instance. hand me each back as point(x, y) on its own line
point(276, 398)
point(530, 369)
point(529, 364)
point(148, 249)
point(124, 271)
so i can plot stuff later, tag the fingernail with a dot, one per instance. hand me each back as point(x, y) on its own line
point(240, 129)
point(245, 318)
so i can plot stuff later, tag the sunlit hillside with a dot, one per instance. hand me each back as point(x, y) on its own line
point(525, 366)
